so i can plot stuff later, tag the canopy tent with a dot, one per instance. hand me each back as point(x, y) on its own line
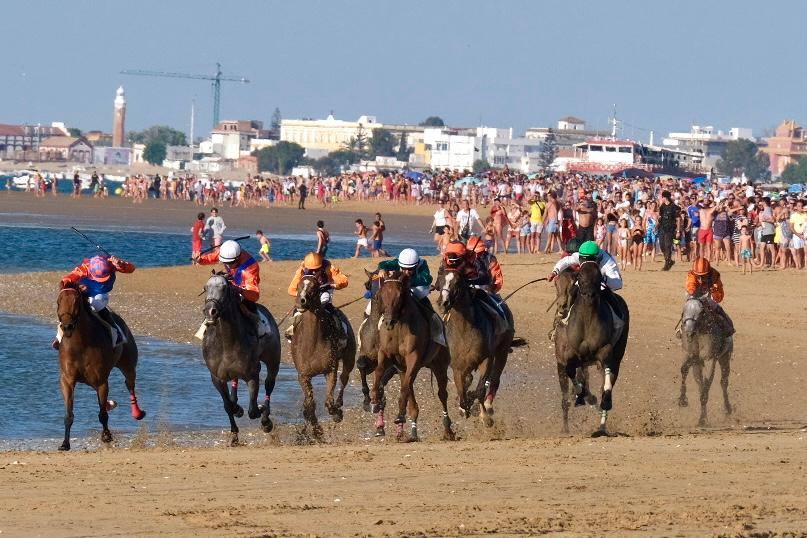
point(415, 177)
point(795, 188)
point(472, 180)
point(698, 180)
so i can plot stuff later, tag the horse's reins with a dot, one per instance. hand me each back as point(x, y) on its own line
point(521, 287)
point(359, 298)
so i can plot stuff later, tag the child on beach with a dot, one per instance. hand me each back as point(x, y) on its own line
point(622, 237)
point(266, 245)
point(746, 245)
point(361, 235)
point(599, 233)
point(490, 235)
point(637, 236)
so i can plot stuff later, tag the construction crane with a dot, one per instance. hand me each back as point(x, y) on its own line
point(217, 79)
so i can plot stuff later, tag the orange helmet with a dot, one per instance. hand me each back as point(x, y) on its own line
point(477, 245)
point(701, 267)
point(312, 260)
point(455, 253)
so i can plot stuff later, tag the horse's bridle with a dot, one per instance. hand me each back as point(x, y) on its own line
point(67, 327)
point(448, 304)
point(316, 306)
point(399, 281)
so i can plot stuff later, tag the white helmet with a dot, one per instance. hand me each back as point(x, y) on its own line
point(408, 258)
point(229, 251)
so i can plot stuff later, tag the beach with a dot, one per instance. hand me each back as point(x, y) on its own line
point(742, 475)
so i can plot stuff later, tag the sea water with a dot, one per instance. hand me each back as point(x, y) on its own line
point(43, 248)
point(173, 387)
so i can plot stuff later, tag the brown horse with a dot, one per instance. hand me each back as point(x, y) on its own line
point(473, 343)
point(87, 355)
point(404, 341)
point(316, 350)
point(590, 337)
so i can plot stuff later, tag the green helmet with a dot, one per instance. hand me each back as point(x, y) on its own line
point(589, 249)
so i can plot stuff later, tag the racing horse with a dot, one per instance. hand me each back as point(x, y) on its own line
point(590, 336)
point(703, 338)
point(473, 342)
point(87, 355)
point(405, 341)
point(316, 350)
point(232, 350)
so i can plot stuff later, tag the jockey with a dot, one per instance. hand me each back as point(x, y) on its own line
point(329, 277)
point(96, 277)
point(410, 264)
point(612, 278)
point(489, 277)
point(704, 280)
point(241, 267)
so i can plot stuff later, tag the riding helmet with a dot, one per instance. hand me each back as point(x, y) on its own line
point(313, 260)
point(701, 267)
point(477, 245)
point(100, 268)
point(408, 258)
point(230, 251)
point(589, 249)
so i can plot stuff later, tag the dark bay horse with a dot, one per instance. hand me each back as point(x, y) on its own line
point(405, 341)
point(703, 338)
point(316, 350)
point(367, 359)
point(587, 338)
point(232, 350)
point(87, 355)
point(473, 343)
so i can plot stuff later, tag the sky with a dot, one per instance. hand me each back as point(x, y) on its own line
point(520, 64)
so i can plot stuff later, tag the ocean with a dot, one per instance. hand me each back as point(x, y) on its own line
point(45, 248)
point(173, 387)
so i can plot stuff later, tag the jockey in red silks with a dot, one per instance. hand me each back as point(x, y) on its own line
point(96, 278)
point(242, 268)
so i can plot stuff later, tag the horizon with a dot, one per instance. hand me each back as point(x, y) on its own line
point(468, 62)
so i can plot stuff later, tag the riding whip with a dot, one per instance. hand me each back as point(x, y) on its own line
point(548, 308)
point(520, 287)
point(90, 241)
point(211, 249)
point(279, 323)
point(359, 298)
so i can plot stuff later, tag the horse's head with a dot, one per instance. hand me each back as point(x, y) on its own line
point(308, 293)
point(693, 309)
point(217, 297)
point(589, 281)
point(450, 285)
point(392, 294)
point(68, 308)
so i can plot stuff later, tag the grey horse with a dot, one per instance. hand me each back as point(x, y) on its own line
point(232, 350)
point(704, 339)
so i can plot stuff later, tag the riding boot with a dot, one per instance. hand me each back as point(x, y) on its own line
point(728, 325)
point(106, 317)
point(337, 328)
point(250, 311)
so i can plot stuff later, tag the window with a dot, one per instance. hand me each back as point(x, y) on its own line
point(625, 149)
point(595, 148)
point(610, 149)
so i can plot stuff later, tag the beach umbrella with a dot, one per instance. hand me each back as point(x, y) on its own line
point(415, 177)
point(795, 188)
point(698, 180)
point(469, 180)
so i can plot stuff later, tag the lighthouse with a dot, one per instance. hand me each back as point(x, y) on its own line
point(118, 130)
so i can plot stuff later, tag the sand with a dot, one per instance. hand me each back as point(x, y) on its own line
point(743, 475)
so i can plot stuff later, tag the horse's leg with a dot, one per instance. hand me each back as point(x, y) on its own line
point(252, 384)
point(682, 399)
point(440, 370)
point(697, 373)
point(413, 411)
point(229, 407)
point(725, 370)
point(495, 377)
point(459, 383)
point(707, 385)
point(407, 392)
point(364, 371)
point(377, 395)
point(348, 361)
point(610, 371)
point(310, 405)
point(330, 385)
point(128, 368)
point(68, 388)
point(238, 411)
point(564, 395)
point(272, 368)
point(103, 415)
point(482, 385)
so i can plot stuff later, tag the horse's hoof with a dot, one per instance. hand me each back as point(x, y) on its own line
point(138, 414)
point(254, 413)
point(366, 407)
point(338, 415)
point(64, 447)
point(267, 426)
point(465, 412)
point(413, 439)
point(564, 429)
point(683, 402)
point(579, 401)
point(702, 423)
point(376, 408)
point(448, 435)
point(318, 433)
point(591, 399)
point(234, 439)
point(379, 432)
point(239, 411)
point(599, 433)
point(487, 421)
point(729, 409)
point(111, 404)
point(106, 437)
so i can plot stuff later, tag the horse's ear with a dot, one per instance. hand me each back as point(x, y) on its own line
point(368, 273)
point(212, 271)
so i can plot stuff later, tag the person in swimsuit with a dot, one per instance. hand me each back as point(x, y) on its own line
point(623, 234)
point(361, 241)
point(266, 244)
point(323, 238)
point(722, 236)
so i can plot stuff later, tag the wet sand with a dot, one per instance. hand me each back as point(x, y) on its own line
point(744, 475)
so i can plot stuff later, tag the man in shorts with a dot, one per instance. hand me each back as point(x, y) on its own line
point(537, 208)
point(706, 216)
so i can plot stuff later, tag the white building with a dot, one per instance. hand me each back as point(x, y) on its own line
point(570, 123)
point(458, 149)
point(233, 138)
point(448, 150)
point(330, 134)
point(707, 141)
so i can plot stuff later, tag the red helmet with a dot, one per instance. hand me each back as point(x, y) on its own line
point(100, 268)
point(477, 245)
point(701, 267)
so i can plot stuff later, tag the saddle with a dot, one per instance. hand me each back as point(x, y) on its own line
point(609, 298)
point(115, 332)
point(258, 318)
point(494, 312)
